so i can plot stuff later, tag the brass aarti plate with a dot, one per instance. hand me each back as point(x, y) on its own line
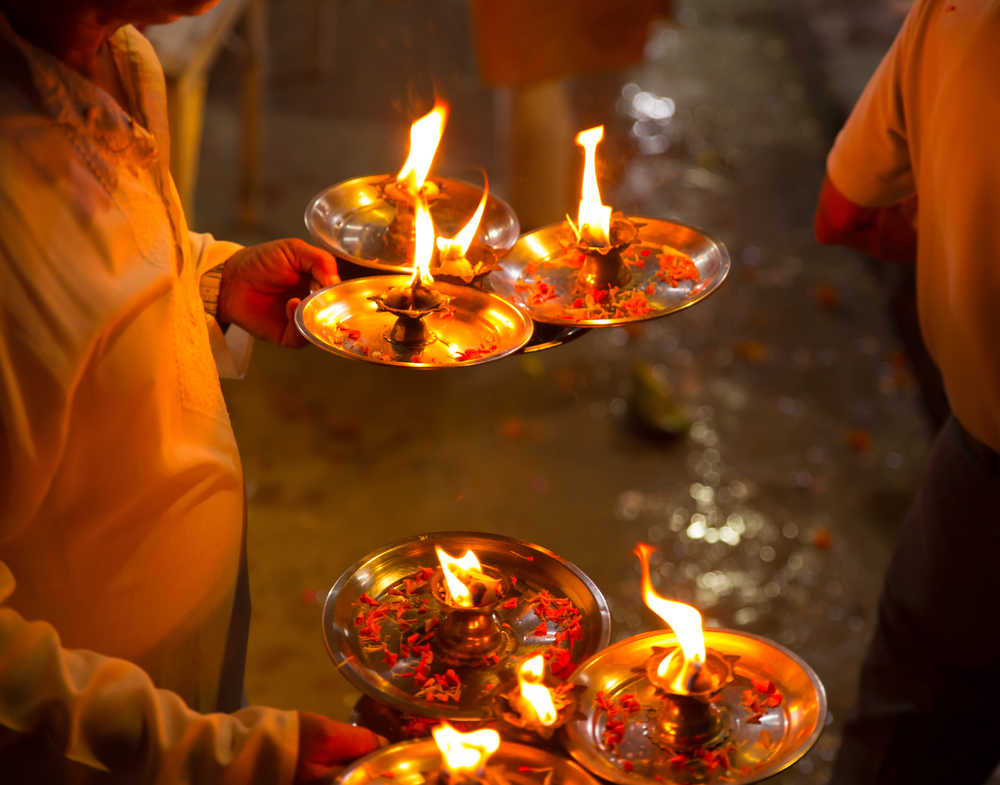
point(757, 744)
point(473, 328)
point(419, 763)
point(527, 571)
point(538, 274)
point(354, 220)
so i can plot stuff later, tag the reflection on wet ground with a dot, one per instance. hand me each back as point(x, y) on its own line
point(774, 514)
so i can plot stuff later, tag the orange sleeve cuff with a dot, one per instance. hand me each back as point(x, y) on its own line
point(883, 232)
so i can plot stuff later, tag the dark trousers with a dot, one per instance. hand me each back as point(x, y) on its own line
point(929, 704)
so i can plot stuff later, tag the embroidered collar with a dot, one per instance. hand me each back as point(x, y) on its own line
point(74, 101)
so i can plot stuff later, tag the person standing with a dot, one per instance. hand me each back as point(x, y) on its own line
point(123, 596)
point(915, 174)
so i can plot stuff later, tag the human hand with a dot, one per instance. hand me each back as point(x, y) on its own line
point(262, 285)
point(887, 233)
point(325, 744)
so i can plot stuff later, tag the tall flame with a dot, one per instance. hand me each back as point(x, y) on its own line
point(684, 620)
point(458, 591)
point(455, 247)
point(465, 752)
point(593, 218)
point(425, 135)
point(529, 677)
point(423, 246)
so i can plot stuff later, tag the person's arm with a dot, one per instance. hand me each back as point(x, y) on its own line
point(868, 198)
point(231, 347)
point(887, 233)
point(77, 716)
point(80, 713)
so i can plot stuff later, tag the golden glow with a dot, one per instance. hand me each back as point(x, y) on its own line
point(529, 677)
point(423, 246)
point(465, 752)
point(593, 220)
point(500, 317)
point(684, 620)
point(425, 135)
point(457, 590)
point(455, 247)
point(535, 246)
point(329, 315)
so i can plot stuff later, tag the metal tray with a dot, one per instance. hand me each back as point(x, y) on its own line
point(538, 257)
point(793, 726)
point(352, 220)
point(418, 763)
point(536, 568)
point(474, 319)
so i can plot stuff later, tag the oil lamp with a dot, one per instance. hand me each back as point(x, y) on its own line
point(600, 236)
point(370, 221)
point(693, 705)
point(470, 629)
point(419, 298)
point(411, 184)
point(686, 676)
point(534, 694)
point(606, 269)
point(464, 755)
point(534, 710)
point(451, 261)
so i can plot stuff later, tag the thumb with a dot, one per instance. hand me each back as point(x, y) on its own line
point(329, 742)
point(291, 336)
point(351, 742)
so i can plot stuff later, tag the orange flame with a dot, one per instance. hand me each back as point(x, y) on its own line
point(425, 135)
point(684, 620)
point(593, 220)
point(423, 246)
point(529, 677)
point(465, 752)
point(455, 247)
point(457, 590)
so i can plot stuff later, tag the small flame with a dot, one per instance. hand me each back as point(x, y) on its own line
point(537, 695)
point(457, 590)
point(465, 752)
point(425, 135)
point(684, 620)
point(455, 247)
point(593, 218)
point(423, 246)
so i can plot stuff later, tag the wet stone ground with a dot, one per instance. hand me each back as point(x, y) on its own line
point(774, 514)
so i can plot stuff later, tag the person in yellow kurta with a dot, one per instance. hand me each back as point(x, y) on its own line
point(123, 596)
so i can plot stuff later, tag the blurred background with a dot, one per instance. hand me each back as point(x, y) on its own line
point(766, 441)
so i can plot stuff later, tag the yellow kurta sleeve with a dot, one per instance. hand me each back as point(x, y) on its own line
point(73, 715)
point(231, 349)
point(207, 252)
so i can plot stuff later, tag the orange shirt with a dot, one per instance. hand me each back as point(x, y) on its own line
point(927, 124)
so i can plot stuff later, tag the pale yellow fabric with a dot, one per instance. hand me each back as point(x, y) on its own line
point(121, 501)
point(928, 121)
point(114, 725)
